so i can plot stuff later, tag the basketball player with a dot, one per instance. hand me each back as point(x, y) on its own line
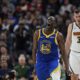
point(47, 42)
point(72, 46)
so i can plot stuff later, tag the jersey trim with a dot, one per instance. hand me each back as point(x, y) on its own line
point(39, 34)
point(76, 33)
point(55, 70)
point(47, 36)
point(56, 38)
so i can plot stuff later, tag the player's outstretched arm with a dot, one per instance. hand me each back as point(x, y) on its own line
point(61, 45)
point(68, 39)
point(35, 39)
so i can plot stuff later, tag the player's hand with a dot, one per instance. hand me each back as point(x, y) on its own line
point(68, 73)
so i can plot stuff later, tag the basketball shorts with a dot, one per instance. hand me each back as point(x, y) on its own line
point(48, 70)
point(74, 61)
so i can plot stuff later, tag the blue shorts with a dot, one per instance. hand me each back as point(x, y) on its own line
point(45, 69)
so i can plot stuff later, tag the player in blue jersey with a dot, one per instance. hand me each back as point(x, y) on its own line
point(47, 45)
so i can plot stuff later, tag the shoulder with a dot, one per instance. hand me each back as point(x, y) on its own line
point(70, 26)
point(59, 35)
point(37, 32)
point(60, 38)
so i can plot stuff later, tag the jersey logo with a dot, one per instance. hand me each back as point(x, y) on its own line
point(45, 46)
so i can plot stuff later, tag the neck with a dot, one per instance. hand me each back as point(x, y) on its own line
point(49, 29)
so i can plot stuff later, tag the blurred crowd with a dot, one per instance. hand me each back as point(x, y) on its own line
point(18, 21)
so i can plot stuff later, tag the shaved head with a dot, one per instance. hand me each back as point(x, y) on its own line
point(51, 18)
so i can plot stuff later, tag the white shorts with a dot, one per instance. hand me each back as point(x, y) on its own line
point(74, 61)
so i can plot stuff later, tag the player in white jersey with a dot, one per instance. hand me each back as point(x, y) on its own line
point(72, 45)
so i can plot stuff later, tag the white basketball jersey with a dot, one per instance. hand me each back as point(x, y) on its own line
point(75, 45)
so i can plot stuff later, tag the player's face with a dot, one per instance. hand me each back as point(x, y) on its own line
point(77, 16)
point(51, 22)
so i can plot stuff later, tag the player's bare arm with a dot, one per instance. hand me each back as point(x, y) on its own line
point(68, 39)
point(35, 39)
point(61, 45)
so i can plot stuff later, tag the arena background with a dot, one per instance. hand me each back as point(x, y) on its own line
point(18, 21)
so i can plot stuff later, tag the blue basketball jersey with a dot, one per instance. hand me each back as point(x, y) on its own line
point(47, 47)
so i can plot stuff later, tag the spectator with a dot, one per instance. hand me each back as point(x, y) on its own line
point(22, 70)
point(21, 35)
point(22, 7)
point(29, 18)
point(4, 70)
point(4, 8)
point(5, 24)
point(11, 75)
point(65, 7)
point(3, 50)
point(52, 7)
point(3, 39)
point(39, 5)
point(5, 56)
